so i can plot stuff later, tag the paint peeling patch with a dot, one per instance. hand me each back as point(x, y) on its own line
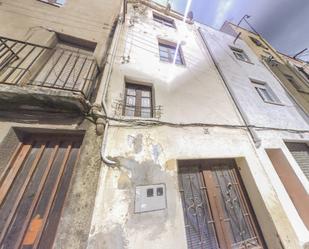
point(114, 238)
point(124, 181)
point(156, 151)
point(136, 143)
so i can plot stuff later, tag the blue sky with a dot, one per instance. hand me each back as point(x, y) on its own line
point(284, 23)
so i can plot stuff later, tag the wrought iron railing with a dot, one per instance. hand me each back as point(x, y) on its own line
point(62, 67)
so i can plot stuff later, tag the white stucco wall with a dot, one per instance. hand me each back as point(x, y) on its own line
point(193, 93)
point(283, 116)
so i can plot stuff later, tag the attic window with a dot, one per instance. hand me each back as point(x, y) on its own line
point(292, 80)
point(163, 20)
point(257, 42)
point(303, 71)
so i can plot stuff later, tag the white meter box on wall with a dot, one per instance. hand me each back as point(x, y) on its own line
point(150, 198)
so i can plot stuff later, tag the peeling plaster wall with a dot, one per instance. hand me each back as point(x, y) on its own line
point(286, 115)
point(193, 93)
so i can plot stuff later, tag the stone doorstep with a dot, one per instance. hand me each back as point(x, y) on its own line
point(41, 98)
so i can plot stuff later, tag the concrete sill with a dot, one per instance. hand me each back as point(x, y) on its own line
point(37, 98)
point(274, 103)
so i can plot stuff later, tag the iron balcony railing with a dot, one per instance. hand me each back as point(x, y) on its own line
point(62, 67)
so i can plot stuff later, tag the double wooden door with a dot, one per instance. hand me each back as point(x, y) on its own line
point(217, 212)
point(33, 188)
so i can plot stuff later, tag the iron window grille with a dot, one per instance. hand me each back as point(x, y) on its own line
point(265, 92)
point(138, 101)
point(164, 20)
point(240, 54)
point(167, 53)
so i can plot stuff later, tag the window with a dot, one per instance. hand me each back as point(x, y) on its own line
point(167, 53)
point(54, 2)
point(240, 54)
point(265, 92)
point(294, 82)
point(138, 101)
point(257, 42)
point(303, 72)
point(164, 20)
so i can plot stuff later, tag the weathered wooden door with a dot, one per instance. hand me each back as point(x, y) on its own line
point(217, 211)
point(33, 188)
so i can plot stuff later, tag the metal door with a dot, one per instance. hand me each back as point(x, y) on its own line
point(33, 189)
point(217, 211)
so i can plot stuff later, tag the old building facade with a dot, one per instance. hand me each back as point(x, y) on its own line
point(175, 128)
point(127, 125)
point(292, 73)
point(52, 54)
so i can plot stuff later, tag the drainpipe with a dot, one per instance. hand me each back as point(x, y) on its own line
point(253, 134)
point(101, 122)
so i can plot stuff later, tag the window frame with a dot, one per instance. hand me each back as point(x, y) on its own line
point(170, 58)
point(261, 86)
point(238, 51)
point(294, 83)
point(166, 21)
point(257, 42)
point(56, 4)
point(138, 99)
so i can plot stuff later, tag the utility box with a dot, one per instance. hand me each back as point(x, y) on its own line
point(150, 198)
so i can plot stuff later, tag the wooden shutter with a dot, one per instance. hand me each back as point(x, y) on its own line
point(33, 189)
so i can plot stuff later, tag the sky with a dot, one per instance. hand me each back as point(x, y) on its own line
point(283, 23)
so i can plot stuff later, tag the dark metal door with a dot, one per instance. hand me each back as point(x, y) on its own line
point(33, 189)
point(216, 208)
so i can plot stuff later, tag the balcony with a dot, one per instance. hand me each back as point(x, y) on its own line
point(66, 71)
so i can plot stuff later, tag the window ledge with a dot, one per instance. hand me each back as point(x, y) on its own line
point(170, 63)
point(274, 103)
point(52, 4)
point(249, 62)
point(141, 119)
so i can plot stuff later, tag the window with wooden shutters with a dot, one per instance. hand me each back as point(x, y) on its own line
point(217, 211)
point(138, 101)
point(33, 189)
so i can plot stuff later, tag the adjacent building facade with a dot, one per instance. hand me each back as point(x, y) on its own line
point(292, 72)
point(130, 126)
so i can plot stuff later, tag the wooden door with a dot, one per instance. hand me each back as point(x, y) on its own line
point(33, 189)
point(217, 211)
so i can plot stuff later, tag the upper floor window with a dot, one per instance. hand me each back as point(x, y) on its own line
point(294, 82)
point(265, 92)
point(54, 2)
point(167, 53)
point(257, 42)
point(164, 20)
point(240, 54)
point(138, 101)
point(303, 72)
